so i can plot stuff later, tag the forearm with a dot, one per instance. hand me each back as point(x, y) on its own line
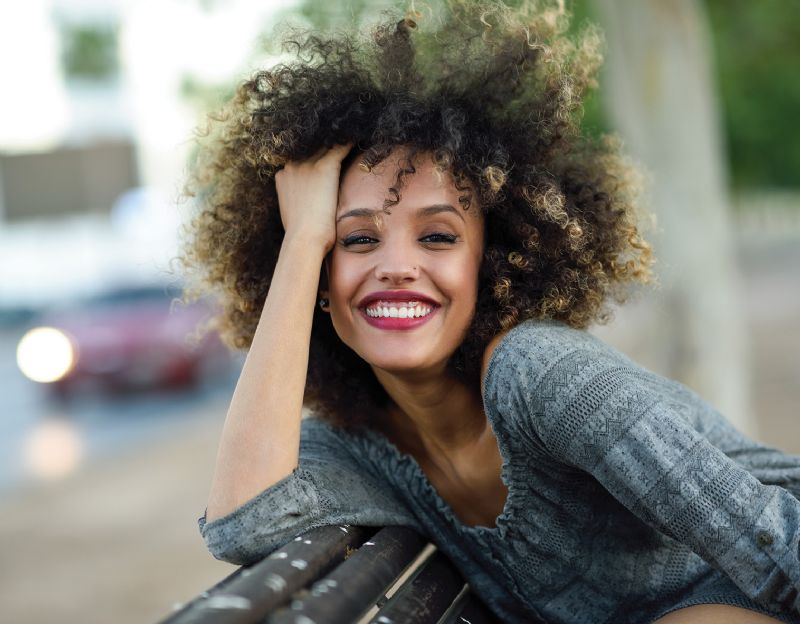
point(261, 436)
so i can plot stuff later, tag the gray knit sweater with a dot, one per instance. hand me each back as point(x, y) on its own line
point(629, 496)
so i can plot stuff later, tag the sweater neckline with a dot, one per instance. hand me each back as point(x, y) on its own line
point(415, 472)
point(406, 464)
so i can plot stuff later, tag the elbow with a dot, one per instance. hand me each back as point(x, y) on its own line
point(263, 524)
point(233, 554)
point(220, 542)
point(241, 548)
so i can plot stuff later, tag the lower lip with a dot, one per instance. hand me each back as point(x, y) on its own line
point(396, 322)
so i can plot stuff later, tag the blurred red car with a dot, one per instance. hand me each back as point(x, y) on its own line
point(123, 339)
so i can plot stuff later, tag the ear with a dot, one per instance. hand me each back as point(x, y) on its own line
point(324, 273)
point(324, 290)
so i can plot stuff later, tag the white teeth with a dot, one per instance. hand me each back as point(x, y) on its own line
point(402, 311)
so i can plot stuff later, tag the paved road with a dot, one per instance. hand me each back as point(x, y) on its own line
point(31, 425)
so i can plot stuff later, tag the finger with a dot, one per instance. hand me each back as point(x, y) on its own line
point(319, 154)
point(339, 152)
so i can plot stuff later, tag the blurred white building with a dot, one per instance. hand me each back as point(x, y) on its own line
point(97, 101)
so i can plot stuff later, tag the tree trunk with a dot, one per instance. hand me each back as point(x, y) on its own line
point(660, 95)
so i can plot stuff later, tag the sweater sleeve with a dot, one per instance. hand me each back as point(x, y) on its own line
point(588, 406)
point(327, 487)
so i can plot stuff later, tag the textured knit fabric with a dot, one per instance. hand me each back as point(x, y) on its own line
point(628, 495)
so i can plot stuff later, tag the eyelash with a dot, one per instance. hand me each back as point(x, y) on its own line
point(359, 239)
point(362, 239)
point(355, 240)
point(445, 238)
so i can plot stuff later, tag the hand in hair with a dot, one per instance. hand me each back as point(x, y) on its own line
point(308, 192)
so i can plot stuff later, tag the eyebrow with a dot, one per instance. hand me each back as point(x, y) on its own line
point(426, 211)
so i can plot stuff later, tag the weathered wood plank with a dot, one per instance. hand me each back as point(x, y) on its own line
point(426, 596)
point(249, 594)
point(350, 590)
point(467, 607)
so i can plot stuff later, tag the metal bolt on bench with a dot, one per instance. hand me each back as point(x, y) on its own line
point(342, 574)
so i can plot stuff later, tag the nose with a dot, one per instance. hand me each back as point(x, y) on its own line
point(397, 266)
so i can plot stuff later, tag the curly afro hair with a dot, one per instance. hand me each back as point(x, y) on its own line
point(494, 94)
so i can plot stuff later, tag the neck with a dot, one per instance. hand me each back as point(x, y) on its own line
point(437, 415)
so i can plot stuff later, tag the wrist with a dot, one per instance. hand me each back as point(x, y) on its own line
point(311, 242)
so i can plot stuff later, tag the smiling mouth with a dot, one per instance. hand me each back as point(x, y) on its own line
point(398, 309)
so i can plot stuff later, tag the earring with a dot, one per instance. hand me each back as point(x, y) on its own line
point(323, 303)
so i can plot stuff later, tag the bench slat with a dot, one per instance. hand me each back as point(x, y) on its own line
point(467, 607)
point(350, 590)
point(426, 596)
point(390, 575)
point(250, 593)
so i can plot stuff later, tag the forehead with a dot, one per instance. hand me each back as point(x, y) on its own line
point(427, 186)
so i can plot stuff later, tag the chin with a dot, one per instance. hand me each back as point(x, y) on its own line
point(396, 364)
point(399, 364)
point(401, 353)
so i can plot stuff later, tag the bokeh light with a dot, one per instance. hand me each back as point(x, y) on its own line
point(45, 354)
point(53, 450)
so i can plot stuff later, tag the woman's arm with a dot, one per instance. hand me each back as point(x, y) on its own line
point(278, 475)
point(328, 487)
point(589, 406)
point(261, 435)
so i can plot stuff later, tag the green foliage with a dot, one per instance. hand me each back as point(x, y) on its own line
point(205, 96)
point(757, 55)
point(595, 119)
point(89, 52)
point(327, 15)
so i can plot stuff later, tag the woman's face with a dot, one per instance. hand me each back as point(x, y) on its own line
point(403, 286)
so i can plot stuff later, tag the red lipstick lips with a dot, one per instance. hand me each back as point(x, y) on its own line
point(396, 295)
point(397, 309)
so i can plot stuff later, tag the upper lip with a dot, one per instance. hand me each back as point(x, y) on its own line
point(395, 295)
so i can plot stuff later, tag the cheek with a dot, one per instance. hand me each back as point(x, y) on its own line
point(341, 285)
point(345, 282)
point(460, 281)
point(342, 277)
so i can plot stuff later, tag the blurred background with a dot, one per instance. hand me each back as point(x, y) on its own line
point(111, 407)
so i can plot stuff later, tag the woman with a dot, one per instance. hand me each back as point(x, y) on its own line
point(410, 235)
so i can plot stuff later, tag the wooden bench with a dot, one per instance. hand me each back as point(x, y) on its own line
point(342, 574)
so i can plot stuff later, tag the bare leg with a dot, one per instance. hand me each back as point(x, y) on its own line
point(715, 614)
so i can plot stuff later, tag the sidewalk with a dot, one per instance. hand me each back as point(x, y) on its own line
point(118, 540)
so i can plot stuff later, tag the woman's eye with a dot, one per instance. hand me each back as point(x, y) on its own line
point(358, 239)
point(439, 237)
